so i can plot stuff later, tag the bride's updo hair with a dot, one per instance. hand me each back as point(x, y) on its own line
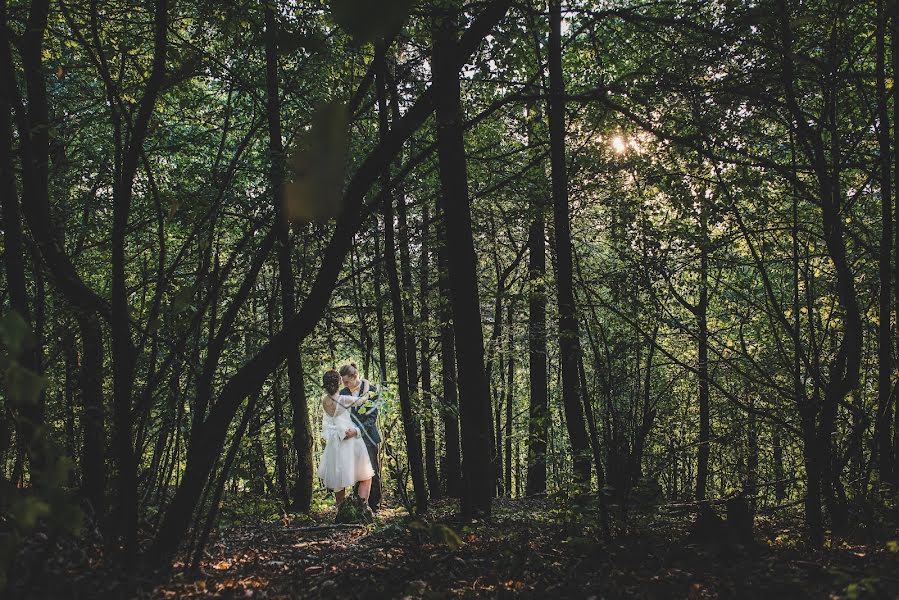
point(331, 381)
point(349, 370)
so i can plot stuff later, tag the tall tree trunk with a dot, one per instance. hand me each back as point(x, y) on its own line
point(844, 369)
point(280, 458)
point(510, 382)
point(29, 415)
point(538, 401)
point(807, 410)
point(70, 387)
point(452, 453)
point(301, 494)
point(33, 128)
point(780, 489)
point(474, 387)
point(569, 346)
point(893, 11)
point(124, 353)
point(408, 292)
point(883, 445)
point(255, 453)
point(702, 459)
point(494, 350)
point(647, 413)
point(410, 423)
point(379, 309)
point(93, 462)
point(499, 394)
point(425, 339)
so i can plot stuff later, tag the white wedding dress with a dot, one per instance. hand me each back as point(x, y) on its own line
point(344, 460)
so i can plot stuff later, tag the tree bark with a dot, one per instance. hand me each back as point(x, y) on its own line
point(883, 446)
point(301, 493)
point(379, 308)
point(893, 12)
point(124, 354)
point(538, 401)
point(431, 470)
point(510, 382)
point(569, 346)
point(30, 416)
point(499, 394)
point(401, 339)
point(93, 422)
point(452, 453)
point(474, 387)
point(702, 459)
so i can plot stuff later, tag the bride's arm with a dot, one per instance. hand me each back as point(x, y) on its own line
point(348, 401)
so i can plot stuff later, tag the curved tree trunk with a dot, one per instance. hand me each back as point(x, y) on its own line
point(88, 307)
point(201, 458)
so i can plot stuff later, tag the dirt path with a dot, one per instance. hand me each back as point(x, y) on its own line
point(522, 552)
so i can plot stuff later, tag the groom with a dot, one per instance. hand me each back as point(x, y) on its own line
point(367, 423)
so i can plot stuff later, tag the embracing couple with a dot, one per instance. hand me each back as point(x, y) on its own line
point(350, 431)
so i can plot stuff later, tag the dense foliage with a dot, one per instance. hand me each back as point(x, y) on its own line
point(644, 249)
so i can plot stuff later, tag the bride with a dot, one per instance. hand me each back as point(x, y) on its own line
point(345, 460)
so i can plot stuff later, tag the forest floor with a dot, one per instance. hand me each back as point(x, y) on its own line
point(523, 550)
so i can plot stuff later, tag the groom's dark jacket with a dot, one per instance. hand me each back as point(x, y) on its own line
point(368, 421)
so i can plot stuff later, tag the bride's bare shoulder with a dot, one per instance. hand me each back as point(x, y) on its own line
point(328, 404)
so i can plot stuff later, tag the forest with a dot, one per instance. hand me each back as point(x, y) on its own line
point(619, 280)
